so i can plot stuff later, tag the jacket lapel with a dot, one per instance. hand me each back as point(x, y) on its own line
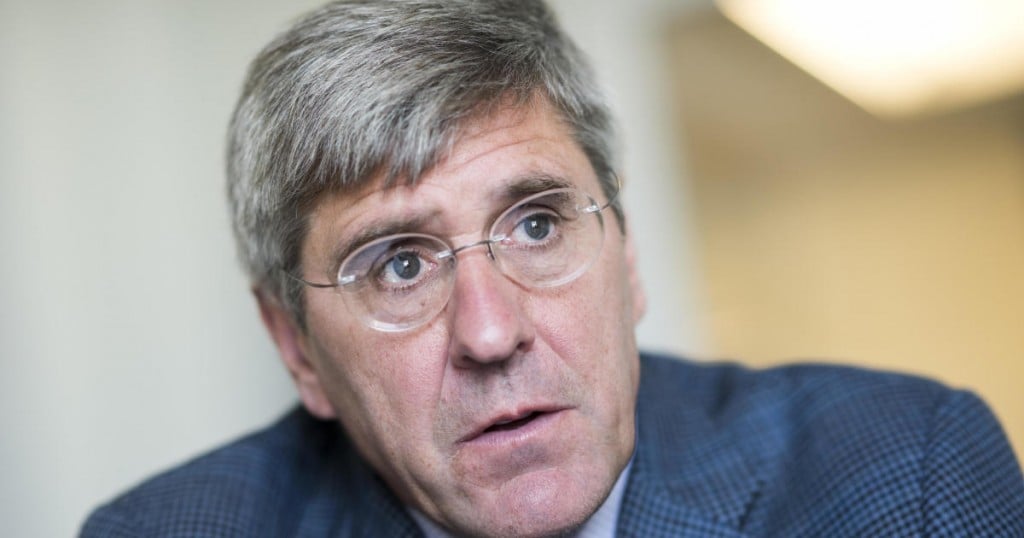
point(696, 471)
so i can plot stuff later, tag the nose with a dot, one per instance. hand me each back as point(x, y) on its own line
point(488, 323)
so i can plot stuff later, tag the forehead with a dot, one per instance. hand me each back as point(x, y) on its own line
point(495, 160)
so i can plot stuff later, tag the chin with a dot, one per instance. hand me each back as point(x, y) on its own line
point(552, 502)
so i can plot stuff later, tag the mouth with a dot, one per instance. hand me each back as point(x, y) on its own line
point(511, 424)
point(508, 425)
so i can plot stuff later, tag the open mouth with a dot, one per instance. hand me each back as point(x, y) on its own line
point(513, 424)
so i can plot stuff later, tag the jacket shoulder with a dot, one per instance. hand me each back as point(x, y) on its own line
point(794, 405)
point(842, 451)
point(251, 487)
point(719, 387)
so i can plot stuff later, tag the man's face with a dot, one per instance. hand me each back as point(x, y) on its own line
point(511, 411)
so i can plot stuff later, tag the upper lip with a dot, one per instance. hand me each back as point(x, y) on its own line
point(506, 416)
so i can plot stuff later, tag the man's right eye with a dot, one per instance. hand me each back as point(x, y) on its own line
point(403, 269)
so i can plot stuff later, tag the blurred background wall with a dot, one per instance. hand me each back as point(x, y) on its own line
point(773, 219)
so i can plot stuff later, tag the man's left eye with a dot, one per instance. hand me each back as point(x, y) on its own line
point(404, 266)
point(534, 227)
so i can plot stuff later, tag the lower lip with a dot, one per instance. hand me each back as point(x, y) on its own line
point(530, 431)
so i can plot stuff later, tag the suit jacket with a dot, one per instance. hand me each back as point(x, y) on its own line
point(722, 451)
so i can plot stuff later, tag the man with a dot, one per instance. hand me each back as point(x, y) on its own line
point(425, 200)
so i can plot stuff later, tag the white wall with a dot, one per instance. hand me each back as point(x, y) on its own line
point(129, 341)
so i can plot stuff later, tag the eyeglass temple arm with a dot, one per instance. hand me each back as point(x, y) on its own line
point(311, 284)
point(615, 195)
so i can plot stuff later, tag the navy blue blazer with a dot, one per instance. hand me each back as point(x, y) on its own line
point(722, 451)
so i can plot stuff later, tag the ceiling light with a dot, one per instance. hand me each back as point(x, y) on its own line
point(896, 57)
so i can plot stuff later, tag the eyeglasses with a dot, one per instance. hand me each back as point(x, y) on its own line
point(402, 281)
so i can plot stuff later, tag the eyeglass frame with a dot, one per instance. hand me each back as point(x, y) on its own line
point(452, 252)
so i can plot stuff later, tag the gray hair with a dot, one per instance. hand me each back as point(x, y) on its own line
point(357, 89)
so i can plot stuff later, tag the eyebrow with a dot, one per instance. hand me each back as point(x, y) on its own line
point(530, 184)
point(515, 190)
point(376, 230)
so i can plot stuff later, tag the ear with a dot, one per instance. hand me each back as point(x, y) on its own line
point(292, 344)
point(635, 286)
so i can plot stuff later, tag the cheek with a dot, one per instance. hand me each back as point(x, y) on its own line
point(595, 310)
point(379, 384)
point(589, 324)
point(590, 330)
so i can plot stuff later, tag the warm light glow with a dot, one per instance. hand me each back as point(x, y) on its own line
point(896, 57)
